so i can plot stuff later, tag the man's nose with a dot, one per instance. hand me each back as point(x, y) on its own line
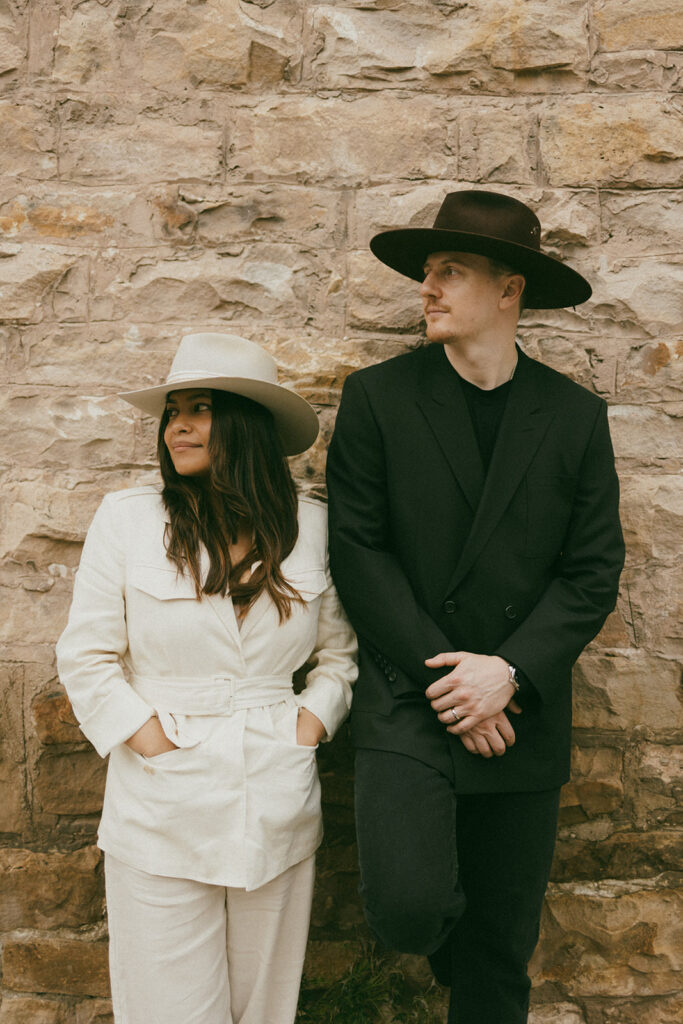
point(429, 285)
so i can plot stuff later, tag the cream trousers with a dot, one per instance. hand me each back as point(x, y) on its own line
point(184, 952)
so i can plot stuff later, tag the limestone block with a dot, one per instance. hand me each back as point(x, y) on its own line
point(28, 142)
point(56, 964)
point(638, 24)
point(498, 145)
point(94, 1011)
point(67, 212)
point(612, 141)
point(54, 719)
point(89, 50)
point(657, 784)
point(347, 140)
point(381, 298)
point(624, 691)
point(382, 208)
point(596, 785)
point(556, 1013)
point(69, 783)
point(610, 939)
point(414, 42)
point(32, 1010)
point(69, 430)
point(652, 516)
point(637, 293)
point(651, 371)
point(39, 281)
point(50, 890)
point(625, 855)
point(94, 359)
point(648, 436)
point(272, 212)
point(250, 281)
point(653, 71)
point(653, 1010)
point(13, 800)
point(655, 600)
point(642, 223)
point(142, 150)
point(12, 52)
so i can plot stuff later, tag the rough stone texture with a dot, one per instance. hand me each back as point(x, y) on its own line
point(223, 164)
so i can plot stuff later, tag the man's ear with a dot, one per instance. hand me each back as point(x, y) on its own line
point(512, 292)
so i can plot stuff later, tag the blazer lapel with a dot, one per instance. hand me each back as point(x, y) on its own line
point(522, 428)
point(443, 405)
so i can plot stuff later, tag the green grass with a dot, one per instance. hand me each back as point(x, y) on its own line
point(373, 991)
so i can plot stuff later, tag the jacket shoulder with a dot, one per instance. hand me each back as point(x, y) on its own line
point(148, 494)
point(402, 366)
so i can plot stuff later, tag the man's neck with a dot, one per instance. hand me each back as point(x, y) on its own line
point(485, 365)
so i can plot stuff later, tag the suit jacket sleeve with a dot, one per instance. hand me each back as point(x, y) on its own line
point(583, 591)
point(371, 582)
point(90, 649)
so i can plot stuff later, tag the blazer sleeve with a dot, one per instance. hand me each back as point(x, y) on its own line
point(90, 649)
point(334, 665)
point(584, 589)
point(373, 587)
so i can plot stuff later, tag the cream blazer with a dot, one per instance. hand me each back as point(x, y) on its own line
point(239, 801)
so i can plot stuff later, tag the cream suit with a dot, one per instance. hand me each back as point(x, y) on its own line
point(238, 803)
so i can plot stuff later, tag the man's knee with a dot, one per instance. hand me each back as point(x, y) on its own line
point(410, 926)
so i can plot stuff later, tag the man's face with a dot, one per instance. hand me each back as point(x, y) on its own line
point(461, 296)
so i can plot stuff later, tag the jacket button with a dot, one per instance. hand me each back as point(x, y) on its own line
point(449, 607)
point(391, 676)
point(511, 612)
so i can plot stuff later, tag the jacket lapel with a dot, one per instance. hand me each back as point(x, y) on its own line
point(443, 405)
point(522, 428)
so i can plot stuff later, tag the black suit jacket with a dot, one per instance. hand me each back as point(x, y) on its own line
point(429, 554)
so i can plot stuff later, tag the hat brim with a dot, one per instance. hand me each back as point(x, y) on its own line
point(295, 420)
point(550, 284)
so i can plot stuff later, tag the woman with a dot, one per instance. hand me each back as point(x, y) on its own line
point(192, 608)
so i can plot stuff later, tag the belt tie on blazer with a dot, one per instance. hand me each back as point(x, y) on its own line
point(217, 695)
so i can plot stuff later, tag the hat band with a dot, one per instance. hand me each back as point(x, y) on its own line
point(185, 376)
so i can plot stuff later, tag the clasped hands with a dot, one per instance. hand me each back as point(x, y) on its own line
point(478, 687)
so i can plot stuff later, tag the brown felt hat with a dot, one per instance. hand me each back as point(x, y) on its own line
point(493, 225)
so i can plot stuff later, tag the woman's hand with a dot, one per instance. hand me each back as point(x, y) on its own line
point(309, 729)
point(150, 739)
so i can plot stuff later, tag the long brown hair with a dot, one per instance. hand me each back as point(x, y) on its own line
point(248, 489)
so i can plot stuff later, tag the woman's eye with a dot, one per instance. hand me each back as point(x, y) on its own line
point(202, 406)
point(171, 413)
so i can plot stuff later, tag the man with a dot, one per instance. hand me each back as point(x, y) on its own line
point(476, 546)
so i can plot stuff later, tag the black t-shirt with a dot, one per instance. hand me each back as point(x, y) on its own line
point(486, 410)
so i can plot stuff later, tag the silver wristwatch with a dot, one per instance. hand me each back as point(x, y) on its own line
point(512, 677)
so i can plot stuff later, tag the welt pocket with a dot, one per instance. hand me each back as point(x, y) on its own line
point(309, 583)
point(163, 584)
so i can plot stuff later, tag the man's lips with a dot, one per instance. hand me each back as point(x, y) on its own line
point(432, 309)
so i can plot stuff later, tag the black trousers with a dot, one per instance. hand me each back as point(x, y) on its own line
point(460, 880)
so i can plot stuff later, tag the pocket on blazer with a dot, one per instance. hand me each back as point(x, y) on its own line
point(163, 584)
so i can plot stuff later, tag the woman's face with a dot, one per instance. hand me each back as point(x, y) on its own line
point(188, 430)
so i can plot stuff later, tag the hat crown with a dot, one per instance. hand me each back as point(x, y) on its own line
point(220, 355)
point(490, 214)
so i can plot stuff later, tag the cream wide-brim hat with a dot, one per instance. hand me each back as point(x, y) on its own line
point(227, 362)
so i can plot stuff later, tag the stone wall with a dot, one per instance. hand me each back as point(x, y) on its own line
point(218, 164)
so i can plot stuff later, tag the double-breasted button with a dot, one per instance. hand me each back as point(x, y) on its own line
point(511, 612)
point(391, 676)
point(449, 607)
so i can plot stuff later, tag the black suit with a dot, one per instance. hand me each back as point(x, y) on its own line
point(430, 554)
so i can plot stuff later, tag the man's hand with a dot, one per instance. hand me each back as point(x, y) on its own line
point(492, 736)
point(476, 690)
